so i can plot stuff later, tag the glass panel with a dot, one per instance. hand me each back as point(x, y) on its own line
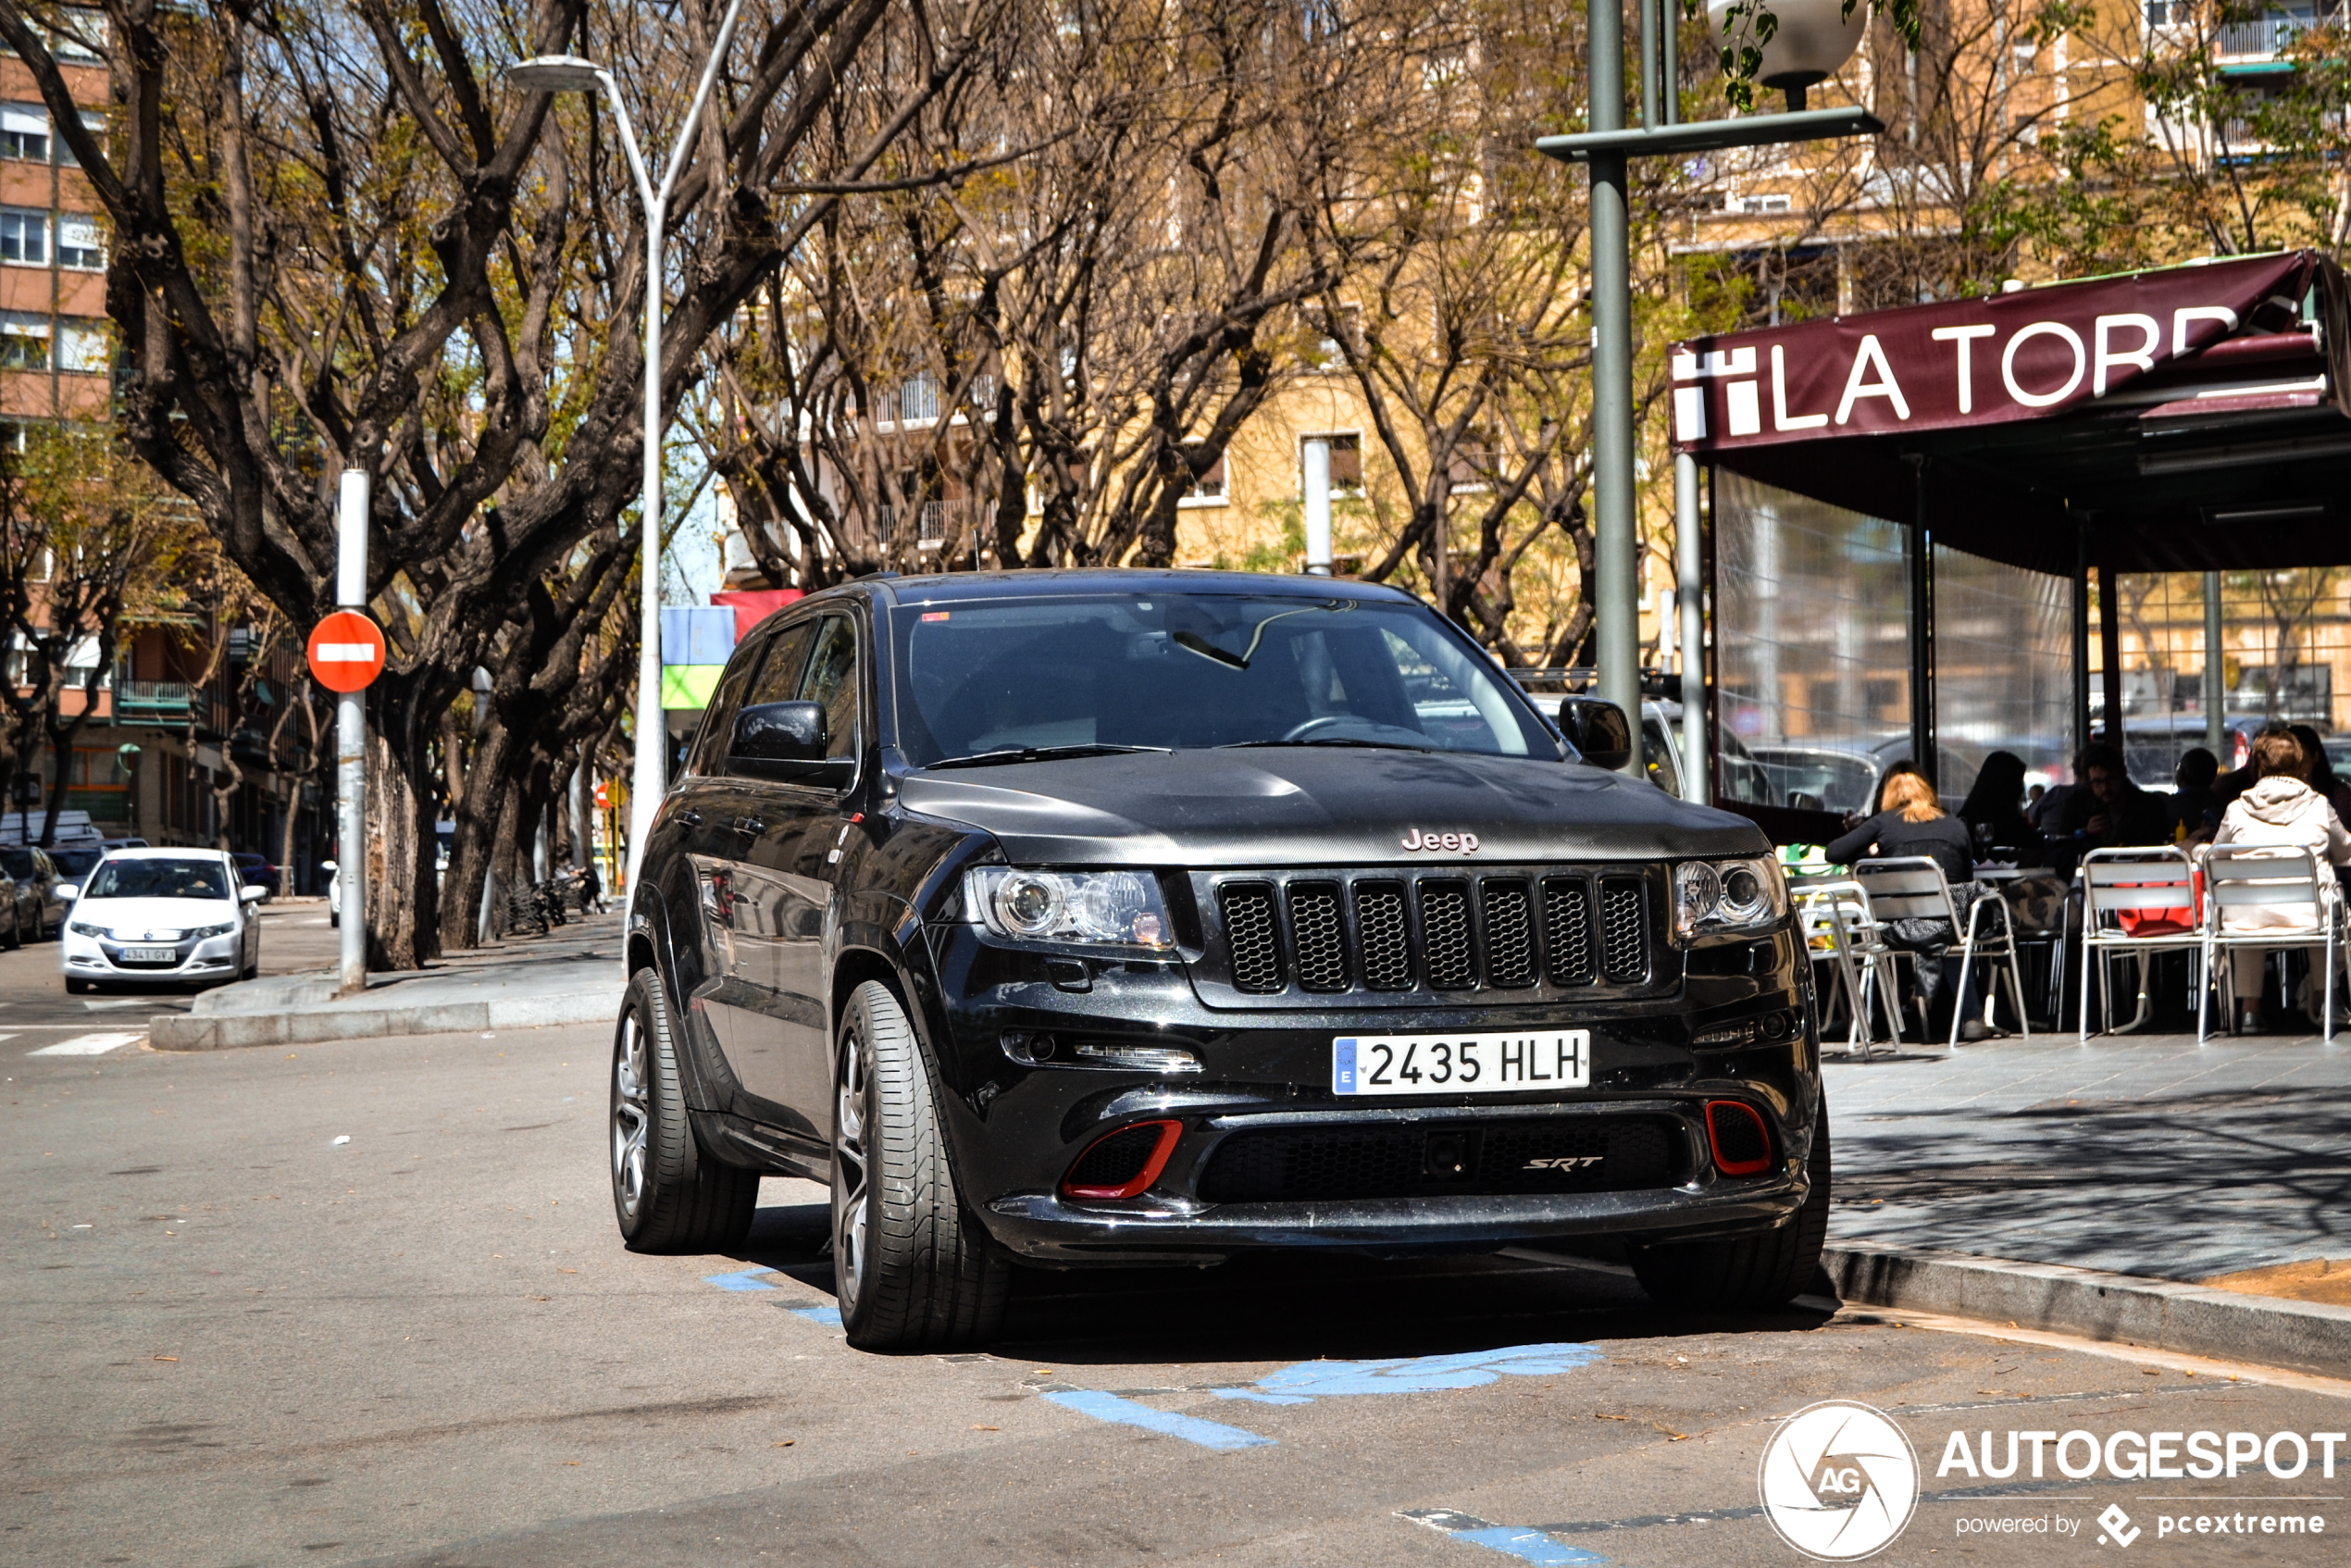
point(2003, 669)
point(1812, 642)
point(2285, 643)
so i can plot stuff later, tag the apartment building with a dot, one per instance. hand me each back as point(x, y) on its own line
point(55, 344)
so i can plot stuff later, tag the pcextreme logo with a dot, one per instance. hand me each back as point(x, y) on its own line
point(1838, 1481)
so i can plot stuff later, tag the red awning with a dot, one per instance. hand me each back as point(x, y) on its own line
point(2136, 409)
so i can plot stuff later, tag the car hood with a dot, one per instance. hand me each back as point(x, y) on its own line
point(154, 915)
point(1319, 806)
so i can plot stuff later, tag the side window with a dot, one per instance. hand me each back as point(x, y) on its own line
point(709, 754)
point(832, 680)
point(779, 676)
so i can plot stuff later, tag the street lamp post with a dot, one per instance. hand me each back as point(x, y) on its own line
point(570, 73)
point(1606, 148)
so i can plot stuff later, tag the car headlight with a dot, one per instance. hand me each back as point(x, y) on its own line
point(1070, 906)
point(1726, 895)
point(81, 931)
point(203, 931)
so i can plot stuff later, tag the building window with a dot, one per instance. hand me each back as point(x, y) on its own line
point(1329, 354)
point(24, 237)
point(24, 133)
point(84, 347)
point(1212, 489)
point(93, 123)
point(81, 247)
point(918, 398)
point(78, 32)
point(24, 341)
point(1347, 462)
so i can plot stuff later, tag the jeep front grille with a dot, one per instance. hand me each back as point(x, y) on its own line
point(1532, 930)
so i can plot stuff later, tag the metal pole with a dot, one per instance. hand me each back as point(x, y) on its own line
point(1617, 631)
point(1669, 63)
point(1919, 557)
point(1650, 9)
point(1690, 566)
point(2080, 640)
point(1318, 505)
point(651, 775)
point(2216, 666)
point(2110, 654)
point(351, 742)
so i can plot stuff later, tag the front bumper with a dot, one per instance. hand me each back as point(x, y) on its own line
point(99, 958)
point(1017, 1128)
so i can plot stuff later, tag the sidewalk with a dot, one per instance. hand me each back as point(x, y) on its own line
point(571, 975)
point(2107, 1179)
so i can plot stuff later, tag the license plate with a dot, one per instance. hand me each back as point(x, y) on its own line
point(1461, 1064)
point(150, 955)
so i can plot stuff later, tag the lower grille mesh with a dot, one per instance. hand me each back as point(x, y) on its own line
point(1295, 1164)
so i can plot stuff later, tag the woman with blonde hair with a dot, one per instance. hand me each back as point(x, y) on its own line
point(1912, 821)
point(2282, 809)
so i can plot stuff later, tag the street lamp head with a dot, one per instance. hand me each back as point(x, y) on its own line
point(1812, 39)
point(557, 73)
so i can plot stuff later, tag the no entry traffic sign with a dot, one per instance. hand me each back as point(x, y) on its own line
point(346, 652)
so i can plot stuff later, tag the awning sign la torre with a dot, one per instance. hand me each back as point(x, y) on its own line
point(2021, 356)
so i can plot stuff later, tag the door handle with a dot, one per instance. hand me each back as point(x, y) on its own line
point(751, 824)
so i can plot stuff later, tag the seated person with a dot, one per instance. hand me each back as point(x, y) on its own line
point(1993, 811)
point(1910, 821)
point(2109, 812)
point(2195, 812)
point(2282, 809)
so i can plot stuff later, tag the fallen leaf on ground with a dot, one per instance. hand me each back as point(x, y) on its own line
point(1671, 1435)
point(785, 1444)
point(977, 1427)
point(1597, 1416)
point(167, 1358)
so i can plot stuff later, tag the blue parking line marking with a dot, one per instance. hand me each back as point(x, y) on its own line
point(742, 1279)
point(828, 1316)
point(1529, 1546)
point(1126, 1413)
point(1526, 1544)
point(1414, 1374)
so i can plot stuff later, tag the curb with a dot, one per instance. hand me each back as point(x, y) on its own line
point(313, 1026)
point(2120, 1308)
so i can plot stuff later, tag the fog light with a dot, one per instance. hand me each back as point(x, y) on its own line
point(1141, 1058)
point(1026, 1047)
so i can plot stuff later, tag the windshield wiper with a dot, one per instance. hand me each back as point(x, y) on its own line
point(1330, 740)
point(1038, 753)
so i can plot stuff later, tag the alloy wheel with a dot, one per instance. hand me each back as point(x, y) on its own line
point(631, 1115)
point(849, 1173)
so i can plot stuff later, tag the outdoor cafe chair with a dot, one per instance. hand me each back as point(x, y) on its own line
point(2119, 883)
point(2266, 877)
point(1836, 910)
point(1914, 888)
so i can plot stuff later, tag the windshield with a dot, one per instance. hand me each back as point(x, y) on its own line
point(1181, 670)
point(158, 877)
point(17, 863)
point(74, 862)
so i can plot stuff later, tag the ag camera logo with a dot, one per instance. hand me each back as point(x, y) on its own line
point(1838, 1481)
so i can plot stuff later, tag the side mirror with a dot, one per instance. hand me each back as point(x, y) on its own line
point(1598, 730)
point(252, 892)
point(786, 740)
point(69, 891)
point(326, 866)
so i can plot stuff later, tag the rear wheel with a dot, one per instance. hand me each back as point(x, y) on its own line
point(667, 1192)
point(1747, 1273)
point(912, 1268)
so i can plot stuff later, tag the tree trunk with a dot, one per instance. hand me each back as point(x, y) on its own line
point(471, 854)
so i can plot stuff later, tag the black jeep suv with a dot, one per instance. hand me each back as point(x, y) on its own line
point(1146, 917)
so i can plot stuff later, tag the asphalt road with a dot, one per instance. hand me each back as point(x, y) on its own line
point(232, 1337)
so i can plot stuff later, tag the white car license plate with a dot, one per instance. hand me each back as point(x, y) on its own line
point(150, 955)
point(1461, 1064)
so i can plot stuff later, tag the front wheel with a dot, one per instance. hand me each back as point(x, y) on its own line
point(668, 1193)
point(1747, 1273)
point(913, 1270)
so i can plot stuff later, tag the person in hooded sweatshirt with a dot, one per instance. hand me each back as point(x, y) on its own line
point(2280, 808)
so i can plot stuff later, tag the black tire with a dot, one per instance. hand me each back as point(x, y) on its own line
point(1747, 1273)
point(334, 918)
point(39, 924)
point(912, 1268)
point(79, 987)
point(16, 928)
point(667, 1192)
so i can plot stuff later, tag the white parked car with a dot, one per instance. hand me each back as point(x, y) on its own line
point(161, 914)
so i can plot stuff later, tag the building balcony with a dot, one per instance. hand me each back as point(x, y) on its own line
point(155, 701)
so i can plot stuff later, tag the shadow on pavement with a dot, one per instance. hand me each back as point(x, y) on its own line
point(1294, 1306)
